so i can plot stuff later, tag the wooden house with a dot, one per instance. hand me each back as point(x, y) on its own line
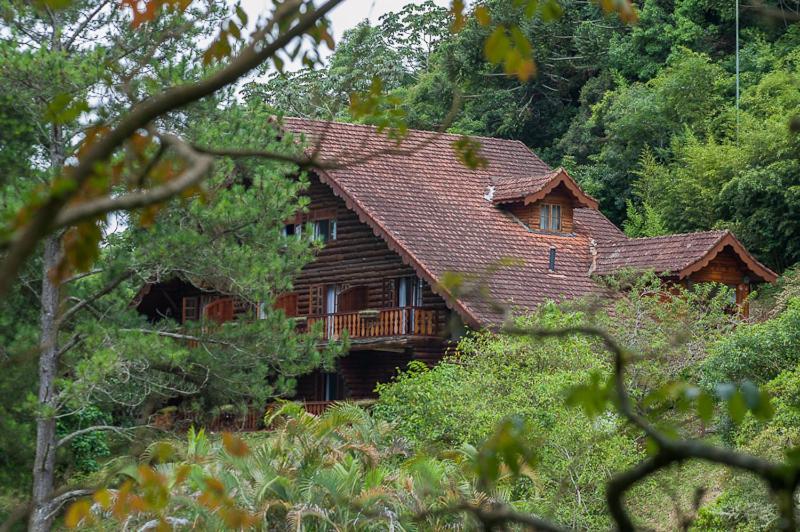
point(396, 218)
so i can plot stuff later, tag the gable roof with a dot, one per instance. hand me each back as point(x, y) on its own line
point(439, 216)
point(680, 255)
point(533, 188)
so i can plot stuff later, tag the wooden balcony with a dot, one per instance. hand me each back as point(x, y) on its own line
point(383, 323)
point(316, 408)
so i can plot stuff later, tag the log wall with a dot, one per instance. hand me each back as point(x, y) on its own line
point(356, 258)
point(726, 268)
point(529, 214)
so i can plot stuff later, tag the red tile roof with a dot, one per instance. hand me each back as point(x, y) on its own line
point(437, 214)
point(511, 188)
point(679, 255)
point(533, 188)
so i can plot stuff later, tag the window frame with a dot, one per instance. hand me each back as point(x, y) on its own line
point(329, 234)
point(546, 217)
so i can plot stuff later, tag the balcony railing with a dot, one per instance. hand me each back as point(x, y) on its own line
point(407, 321)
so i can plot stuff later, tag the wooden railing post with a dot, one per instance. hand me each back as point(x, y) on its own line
point(388, 322)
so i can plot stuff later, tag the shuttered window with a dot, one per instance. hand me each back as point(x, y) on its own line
point(287, 303)
point(316, 300)
point(353, 299)
point(191, 309)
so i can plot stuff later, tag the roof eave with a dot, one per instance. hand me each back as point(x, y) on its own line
point(560, 176)
point(728, 239)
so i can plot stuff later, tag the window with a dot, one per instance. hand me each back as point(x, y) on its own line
point(550, 217)
point(292, 230)
point(324, 230)
point(191, 309)
point(552, 261)
point(316, 300)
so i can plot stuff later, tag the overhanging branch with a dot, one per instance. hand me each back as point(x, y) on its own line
point(24, 240)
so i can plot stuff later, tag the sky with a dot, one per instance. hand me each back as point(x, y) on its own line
point(349, 13)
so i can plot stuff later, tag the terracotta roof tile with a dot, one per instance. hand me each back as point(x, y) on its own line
point(433, 211)
point(510, 188)
point(663, 254)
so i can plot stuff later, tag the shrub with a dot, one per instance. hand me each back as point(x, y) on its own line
point(343, 470)
point(744, 504)
point(492, 377)
point(756, 352)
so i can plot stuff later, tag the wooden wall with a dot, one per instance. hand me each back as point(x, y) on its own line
point(726, 268)
point(529, 214)
point(357, 256)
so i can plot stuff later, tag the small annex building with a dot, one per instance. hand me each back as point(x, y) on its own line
point(397, 219)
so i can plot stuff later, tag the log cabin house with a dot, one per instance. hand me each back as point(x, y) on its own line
point(396, 219)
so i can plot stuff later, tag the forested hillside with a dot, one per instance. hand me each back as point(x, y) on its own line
point(140, 156)
point(643, 115)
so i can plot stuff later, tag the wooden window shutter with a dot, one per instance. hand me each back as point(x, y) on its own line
point(191, 309)
point(316, 300)
point(353, 299)
point(220, 310)
point(390, 293)
point(287, 303)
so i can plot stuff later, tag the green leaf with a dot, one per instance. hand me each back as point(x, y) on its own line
point(705, 406)
point(63, 109)
point(737, 407)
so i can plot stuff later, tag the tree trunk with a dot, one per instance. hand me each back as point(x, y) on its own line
point(45, 460)
point(44, 464)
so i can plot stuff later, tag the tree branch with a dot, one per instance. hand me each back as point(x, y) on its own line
point(201, 165)
point(302, 161)
point(781, 478)
point(494, 516)
point(94, 297)
point(23, 241)
point(96, 428)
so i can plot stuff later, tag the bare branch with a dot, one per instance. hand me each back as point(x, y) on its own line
point(94, 297)
point(75, 340)
point(493, 516)
point(79, 30)
point(122, 431)
point(201, 165)
point(81, 275)
point(782, 479)
point(302, 161)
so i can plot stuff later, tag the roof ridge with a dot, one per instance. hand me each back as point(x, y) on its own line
point(415, 130)
point(721, 232)
point(527, 176)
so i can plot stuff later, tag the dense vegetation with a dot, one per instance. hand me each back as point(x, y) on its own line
point(103, 191)
point(543, 444)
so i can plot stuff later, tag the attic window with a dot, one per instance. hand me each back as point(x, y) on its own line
point(550, 217)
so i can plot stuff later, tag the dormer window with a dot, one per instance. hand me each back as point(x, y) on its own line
point(542, 203)
point(550, 217)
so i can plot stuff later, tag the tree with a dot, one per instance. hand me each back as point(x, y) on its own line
point(107, 96)
point(53, 54)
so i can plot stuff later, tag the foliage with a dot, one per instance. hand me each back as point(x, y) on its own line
point(743, 504)
point(758, 351)
point(343, 470)
point(643, 115)
point(85, 450)
point(492, 377)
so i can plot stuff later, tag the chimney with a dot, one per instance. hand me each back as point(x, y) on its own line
point(593, 253)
